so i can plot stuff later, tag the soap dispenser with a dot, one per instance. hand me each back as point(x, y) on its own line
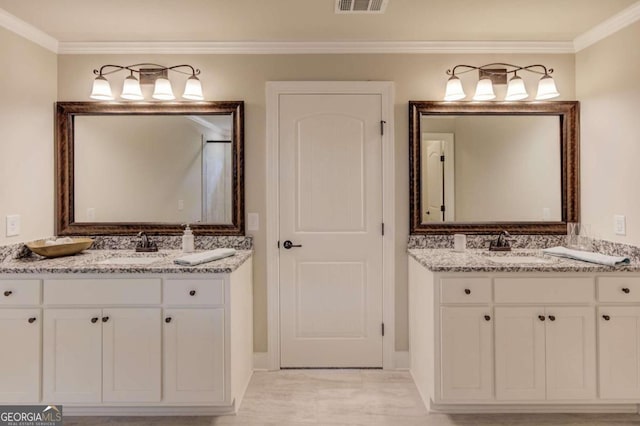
point(188, 245)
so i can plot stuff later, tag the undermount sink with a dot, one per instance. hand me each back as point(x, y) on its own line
point(518, 259)
point(130, 260)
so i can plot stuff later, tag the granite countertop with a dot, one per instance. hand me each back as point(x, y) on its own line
point(447, 260)
point(89, 262)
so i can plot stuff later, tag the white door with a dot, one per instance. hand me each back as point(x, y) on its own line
point(434, 187)
point(72, 355)
point(194, 355)
point(520, 353)
point(131, 355)
point(331, 205)
point(20, 357)
point(619, 348)
point(466, 353)
point(571, 353)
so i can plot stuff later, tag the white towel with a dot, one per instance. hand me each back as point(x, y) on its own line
point(587, 256)
point(204, 257)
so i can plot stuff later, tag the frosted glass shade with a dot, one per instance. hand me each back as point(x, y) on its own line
point(193, 89)
point(101, 89)
point(131, 89)
point(516, 90)
point(547, 88)
point(163, 90)
point(454, 91)
point(484, 90)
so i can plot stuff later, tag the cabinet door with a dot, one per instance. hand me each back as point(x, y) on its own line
point(194, 355)
point(571, 353)
point(72, 355)
point(619, 347)
point(466, 353)
point(520, 353)
point(20, 357)
point(131, 351)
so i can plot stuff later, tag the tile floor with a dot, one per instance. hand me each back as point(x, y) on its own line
point(346, 397)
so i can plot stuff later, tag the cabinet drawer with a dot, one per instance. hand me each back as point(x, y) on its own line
point(619, 289)
point(193, 292)
point(544, 290)
point(19, 292)
point(465, 290)
point(106, 291)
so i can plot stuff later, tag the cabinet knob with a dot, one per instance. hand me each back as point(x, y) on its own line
point(541, 317)
point(606, 317)
point(32, 320)
point(192, 293)
point(167, 320)
point(8, 293)
point(487, 318)
point(552, 317)
point(626, 290)
point(105, 319)
point(94, 320)
point(467, 291)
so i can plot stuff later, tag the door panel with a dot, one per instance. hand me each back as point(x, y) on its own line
point(520, 353)
point(571, 353)
point(466, 353)
point(331, 204)
point(131, 355)
point(619, 348)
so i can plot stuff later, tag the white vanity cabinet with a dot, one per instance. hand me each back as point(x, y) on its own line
point(20, 331)
point(135, 343)
point(525, 341)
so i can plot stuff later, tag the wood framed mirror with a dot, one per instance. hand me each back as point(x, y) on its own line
point(122, 168)
point(484, 167)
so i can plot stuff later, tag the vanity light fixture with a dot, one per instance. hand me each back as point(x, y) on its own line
point(490, 75)
point(148, 74)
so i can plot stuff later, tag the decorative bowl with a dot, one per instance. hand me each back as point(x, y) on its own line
point(58, 250)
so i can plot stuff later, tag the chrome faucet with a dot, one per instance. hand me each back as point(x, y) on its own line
point(145, 244)
point(501, 243)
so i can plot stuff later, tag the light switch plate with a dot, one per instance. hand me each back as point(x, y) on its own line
point(253, 222)
point(619, 224)
point(13, 225)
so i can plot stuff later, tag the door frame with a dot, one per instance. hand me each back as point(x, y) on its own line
point(274, 89)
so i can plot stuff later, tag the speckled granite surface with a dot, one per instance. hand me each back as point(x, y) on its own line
point(173, 242)
point(87, 262)
point(446, 260)
point(482, 241)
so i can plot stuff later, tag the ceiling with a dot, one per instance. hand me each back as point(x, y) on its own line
point(312, 20)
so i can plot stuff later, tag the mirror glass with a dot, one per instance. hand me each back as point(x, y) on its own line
point(477, 168)
point(122, 168)
point(483, 167)
point(155, 168)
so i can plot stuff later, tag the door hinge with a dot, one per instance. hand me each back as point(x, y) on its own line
point(442, 208)
point(278, 243)
point(442, 158)
point(383, 228)
point(382, 123)
point(382, 329)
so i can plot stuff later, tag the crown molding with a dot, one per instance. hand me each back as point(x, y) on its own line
point(334, 47)
point(28, 31)
point(606, 28)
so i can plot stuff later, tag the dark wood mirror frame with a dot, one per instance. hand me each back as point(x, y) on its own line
point(568, 112)
point(64, 148)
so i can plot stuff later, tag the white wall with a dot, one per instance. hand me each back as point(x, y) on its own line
point(608, 87)
point(243, 77)
point(28, 85)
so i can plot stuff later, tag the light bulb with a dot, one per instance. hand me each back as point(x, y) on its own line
point(454, 91)
point(162, 90)
point(547, 88)
point(484, 90)
point(101, 89)
point(516, 90)
point(131, 89)
point(193, 89)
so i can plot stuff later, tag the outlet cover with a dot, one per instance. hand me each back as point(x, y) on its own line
point(619, 224)
point(13, 225)
point(253, 222)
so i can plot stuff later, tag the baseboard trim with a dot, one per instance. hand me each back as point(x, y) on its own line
point(403, 360)
point(586, 408)
point(261, 361)
point(72, 411)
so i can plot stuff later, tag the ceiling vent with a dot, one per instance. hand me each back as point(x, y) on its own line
point(361, 6)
